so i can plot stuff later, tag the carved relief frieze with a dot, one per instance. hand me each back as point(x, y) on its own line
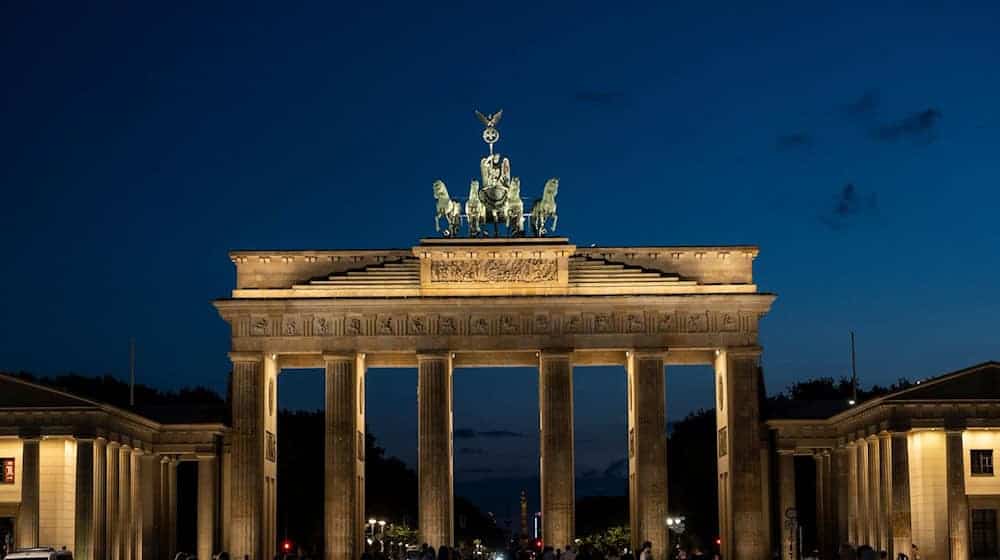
point(505, 323)
point(384, 325)
point(541, 324)
point(494, 270)
point(447, 325)
point(416, 325)
point(479, 325)
point(509, 324)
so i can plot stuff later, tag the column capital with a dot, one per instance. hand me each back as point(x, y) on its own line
point(748, 351)
point(112, 444)
point(555, 354)
point(205, 456)
point(884, 434)
point(786, 452)
point(340, 356)
point(954, 431)
point(246, 357)
point(899, 434)
point(647, 353)
point(434, 355)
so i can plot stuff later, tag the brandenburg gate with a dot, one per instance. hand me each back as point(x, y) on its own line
point(536, 301)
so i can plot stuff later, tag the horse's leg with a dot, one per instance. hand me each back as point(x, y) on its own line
point(555, 219)
point(437, 223)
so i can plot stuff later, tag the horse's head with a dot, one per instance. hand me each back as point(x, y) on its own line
point(551, 188)
point(474, 190)
point(515, 187)
point(440, 191)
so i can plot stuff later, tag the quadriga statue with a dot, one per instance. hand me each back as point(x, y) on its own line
point(515, 209)
point(475, 211)
point(545, 208)
point(448, 209)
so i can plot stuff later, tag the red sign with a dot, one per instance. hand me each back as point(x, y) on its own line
point(8, 470)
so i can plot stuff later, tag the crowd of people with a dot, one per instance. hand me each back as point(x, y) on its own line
point(865, 552)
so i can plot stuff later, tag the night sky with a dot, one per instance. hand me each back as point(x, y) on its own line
point(857, 146)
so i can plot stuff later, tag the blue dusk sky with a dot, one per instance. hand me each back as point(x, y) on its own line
point(855, 143)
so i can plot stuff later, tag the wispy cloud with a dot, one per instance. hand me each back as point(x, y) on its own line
point(605, 98)
point(920, 126)
point(849, 203)
point(465, 433)
point(472, 451)
point(864, 106)
point(794, 140)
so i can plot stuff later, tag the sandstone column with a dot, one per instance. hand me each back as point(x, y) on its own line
point(85, 493)
point(829, 529)
point(27, 515)
point(741, 438)
point(862, 490)
point(125, 502)
point(344, 450)
point(555, 399)
point(885, 492)
point(149, 468)
point(853, 500)
point(248, 458)
point(958, 506)
point(901, 526)
point(168, 508)
point(135, 528)
point(841, 481)
point(435, 470)
point(100, 497)
point(786, 501)
point(112, 540)
point(874, 493)
point(821, 521)
point(206, 506)
point(647, 451)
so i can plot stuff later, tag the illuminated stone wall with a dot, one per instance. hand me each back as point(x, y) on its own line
point(981, 439)
point(10, 494)
point(928, 493)
point(57, 496)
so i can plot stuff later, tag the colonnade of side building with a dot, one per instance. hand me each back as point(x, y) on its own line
point(742, 466)
point(122, 502)
point(865, 491)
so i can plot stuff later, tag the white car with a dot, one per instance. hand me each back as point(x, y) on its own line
point(39, 554)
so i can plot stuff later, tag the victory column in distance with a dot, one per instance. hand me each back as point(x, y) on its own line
point(495, 198)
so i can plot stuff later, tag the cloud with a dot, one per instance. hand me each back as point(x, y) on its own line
point(794, 140)
point(466, 433)
point(617, 469)
point(848, 204)
point(472, 451)
point(501, 434)
point(864, 106)
point(478, 470)
point(605, 98)
point(921, 126)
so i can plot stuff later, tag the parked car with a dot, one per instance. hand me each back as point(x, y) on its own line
point(39, 553)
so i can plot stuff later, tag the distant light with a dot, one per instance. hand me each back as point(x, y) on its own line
point(670, 521)
point(371, 521)
point(918, 382)
point(286, 546)
point(850, 402)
